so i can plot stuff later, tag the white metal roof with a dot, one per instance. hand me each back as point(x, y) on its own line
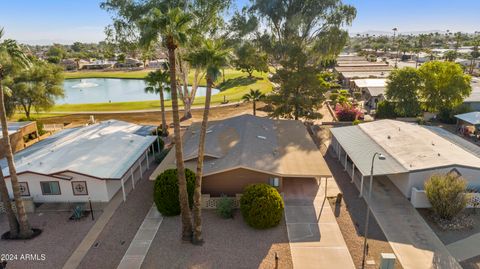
point(413, 146)
point(370, 82)
point(105, 150)
point(471, 117)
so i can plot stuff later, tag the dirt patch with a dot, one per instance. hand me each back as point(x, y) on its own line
point(229, 243)
point(154, 117)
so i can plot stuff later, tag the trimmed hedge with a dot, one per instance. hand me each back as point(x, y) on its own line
point(165, 193)
point(261, 206)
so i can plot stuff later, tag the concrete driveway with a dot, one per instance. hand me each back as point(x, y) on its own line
point(315, 238)
point(414, 243)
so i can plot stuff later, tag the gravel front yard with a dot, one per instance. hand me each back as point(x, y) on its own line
point(58, 240)
point(122, 227)
point(229, 243)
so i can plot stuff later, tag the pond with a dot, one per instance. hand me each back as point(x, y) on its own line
point(105, 90)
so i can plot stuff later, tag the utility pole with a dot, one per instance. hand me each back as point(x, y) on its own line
point(396, 57)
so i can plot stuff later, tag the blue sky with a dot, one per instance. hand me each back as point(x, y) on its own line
point(65, 21)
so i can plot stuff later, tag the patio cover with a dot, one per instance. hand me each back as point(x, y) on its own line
point(472, 117)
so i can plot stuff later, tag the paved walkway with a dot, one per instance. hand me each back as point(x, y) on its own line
point(414, 243)
point(315, 238)
point(140, 245)
point(466, 248)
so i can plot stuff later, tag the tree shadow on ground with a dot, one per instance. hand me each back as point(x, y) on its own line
point(236, 82)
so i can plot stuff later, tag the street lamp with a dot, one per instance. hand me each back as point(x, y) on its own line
point(367, 218)
point(396, 57)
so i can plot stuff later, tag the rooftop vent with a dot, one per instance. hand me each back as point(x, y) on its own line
point(388, 137)
point(209, 131)
point(261, 137)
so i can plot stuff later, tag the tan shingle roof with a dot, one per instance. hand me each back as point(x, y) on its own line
point(279, 147)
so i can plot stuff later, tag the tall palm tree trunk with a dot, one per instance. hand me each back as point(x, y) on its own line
point(12, 219)
point(254, 108)
point(25, 229)
point(197, 197)
point(162, 108)
point(182, 182)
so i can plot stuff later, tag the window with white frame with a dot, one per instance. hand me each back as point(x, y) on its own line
point(274, 181)
point(50, 188)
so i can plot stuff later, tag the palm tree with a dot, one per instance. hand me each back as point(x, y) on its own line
point(210, 57)
point(157, 82)
point(12, 51)
point(172, 26)
point(254, 96)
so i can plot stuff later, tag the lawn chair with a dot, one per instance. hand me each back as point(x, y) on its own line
point(77, 213)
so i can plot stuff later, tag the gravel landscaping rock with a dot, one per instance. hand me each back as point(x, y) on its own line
point(58, 240)
point(229, 243)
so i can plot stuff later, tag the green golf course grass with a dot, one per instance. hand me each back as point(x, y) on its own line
point(235, 86)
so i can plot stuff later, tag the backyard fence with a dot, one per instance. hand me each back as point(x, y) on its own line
point(212, 202)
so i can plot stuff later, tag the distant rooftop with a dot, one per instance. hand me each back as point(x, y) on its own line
point(475, 95)
point(104, 150)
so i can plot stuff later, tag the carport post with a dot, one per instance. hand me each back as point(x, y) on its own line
point(133, 179)
point(361, 187)
point(123, 190)
point(158, 143)
point(353, 171)
point(346, 157)
point(141, 172)
point(148, 165)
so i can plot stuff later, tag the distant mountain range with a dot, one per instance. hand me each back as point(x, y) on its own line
point(379, 33)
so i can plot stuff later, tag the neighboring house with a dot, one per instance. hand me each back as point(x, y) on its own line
point(21, 135)
point(78, 164)
point(247, 149)
point(413, 153)
point(157, 63)
point(68, 64)
point(373, 90)
point(469, 123)
point(349, 70)
point(129, 63)
point(100, 64)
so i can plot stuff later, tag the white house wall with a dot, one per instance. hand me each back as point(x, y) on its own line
point(97, 190)
point(417, 179)
point(402, 182)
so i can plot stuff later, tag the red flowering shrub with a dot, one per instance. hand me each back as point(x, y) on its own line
point(347, 112)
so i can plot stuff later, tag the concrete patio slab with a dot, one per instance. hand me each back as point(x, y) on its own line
point(328, 257)
point(315, 235)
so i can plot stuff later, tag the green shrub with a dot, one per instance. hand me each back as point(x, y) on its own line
point(447, 195)
point(356, 122)
point(160, 133)
point(261, 206)
point(385, 110)
point(165, 192)
point(225, 207)
point(447, 115)
point(161, 155)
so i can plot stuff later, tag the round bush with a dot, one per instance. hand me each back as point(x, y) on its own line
point(261, 206)
point(165, 193)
